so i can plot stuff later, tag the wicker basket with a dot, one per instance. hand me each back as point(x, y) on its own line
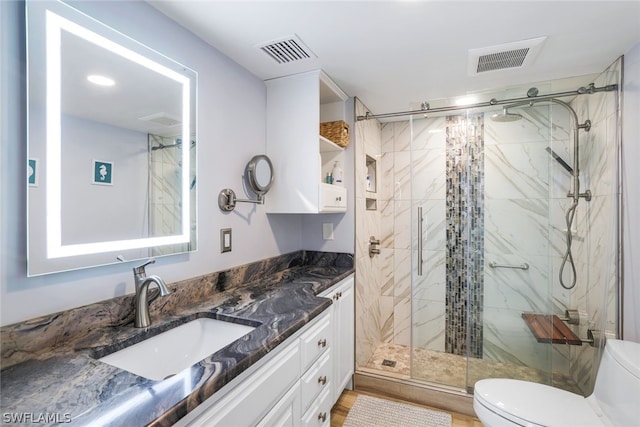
point(337, 132)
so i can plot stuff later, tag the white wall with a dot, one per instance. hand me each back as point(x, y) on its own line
point(631, 194)
point(84, 222)
point(231, 129)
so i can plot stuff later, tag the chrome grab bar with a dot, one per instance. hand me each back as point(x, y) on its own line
point(494, 264)
point(420, 240)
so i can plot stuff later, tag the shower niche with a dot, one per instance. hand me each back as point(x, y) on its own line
point(371, 183)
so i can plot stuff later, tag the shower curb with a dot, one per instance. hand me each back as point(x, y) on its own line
point(453, 400)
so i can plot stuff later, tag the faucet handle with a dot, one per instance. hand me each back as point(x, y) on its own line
point(139, 270)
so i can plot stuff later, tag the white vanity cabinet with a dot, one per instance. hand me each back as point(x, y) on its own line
point(343, 323)
point(287, 385)
point(296, 105)
point(298, 382)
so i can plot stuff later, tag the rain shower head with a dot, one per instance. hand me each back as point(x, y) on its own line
point(505, 116)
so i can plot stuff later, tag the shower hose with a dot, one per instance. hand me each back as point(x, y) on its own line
point(568, 256)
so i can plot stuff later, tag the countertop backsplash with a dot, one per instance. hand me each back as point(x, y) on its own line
point(56, 333)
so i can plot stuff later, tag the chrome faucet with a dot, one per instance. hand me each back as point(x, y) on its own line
point(142, 282)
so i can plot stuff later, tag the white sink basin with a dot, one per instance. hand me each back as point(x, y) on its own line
point(177, 349)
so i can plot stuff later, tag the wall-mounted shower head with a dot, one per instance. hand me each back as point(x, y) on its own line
point(505, 116)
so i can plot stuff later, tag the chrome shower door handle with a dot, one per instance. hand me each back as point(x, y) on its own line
point(419, 240)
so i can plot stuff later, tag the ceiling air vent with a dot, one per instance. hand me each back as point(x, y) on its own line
point(163, 119)
point(287, 50)
point(505, 56)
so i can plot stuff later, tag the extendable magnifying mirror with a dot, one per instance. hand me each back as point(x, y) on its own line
point(259, 175)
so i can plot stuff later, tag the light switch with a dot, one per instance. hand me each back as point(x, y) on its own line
point(225, 240)
point(327, 231)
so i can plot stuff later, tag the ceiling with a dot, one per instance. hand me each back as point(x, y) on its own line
point(395, 54)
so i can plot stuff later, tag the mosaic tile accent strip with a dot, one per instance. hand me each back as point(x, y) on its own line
point(465, 234)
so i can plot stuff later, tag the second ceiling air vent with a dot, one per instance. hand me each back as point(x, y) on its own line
point(287, 50)
point(505, 56)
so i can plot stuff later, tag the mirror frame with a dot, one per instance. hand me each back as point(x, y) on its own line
point(250, 172)
point(50, 19)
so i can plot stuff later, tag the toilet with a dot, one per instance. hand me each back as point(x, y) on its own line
point(615, 400)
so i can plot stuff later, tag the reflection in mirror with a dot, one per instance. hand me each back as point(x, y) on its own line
point(107, 121)
point(165, 188)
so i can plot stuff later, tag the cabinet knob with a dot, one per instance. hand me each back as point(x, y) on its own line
point(339, 199)
point(322, 416)
point(322, 342)
point(322, 380)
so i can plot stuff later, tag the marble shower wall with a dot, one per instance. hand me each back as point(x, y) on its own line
point(596, 293)
point(373, 278)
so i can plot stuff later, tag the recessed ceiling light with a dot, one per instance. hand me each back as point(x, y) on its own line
point(101, 80)
point(466, 100)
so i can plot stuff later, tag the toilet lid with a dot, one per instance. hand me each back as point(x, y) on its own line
point(528, 403)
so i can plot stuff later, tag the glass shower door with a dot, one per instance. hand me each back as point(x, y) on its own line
point(518, 249)
point(482, 206)
point(438, 333)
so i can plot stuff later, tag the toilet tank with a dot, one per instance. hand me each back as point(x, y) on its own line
point(617, 388)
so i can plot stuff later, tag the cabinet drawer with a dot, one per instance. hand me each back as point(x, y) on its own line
point(285, 413)
point(263, 390)
point(319, 414)
point(315, 341)
point(317, 378)
point(333, 198)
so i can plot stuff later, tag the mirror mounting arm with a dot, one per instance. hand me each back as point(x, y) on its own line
point(227, 200)
point(258, 178)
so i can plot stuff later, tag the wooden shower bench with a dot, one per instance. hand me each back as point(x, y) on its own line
point(548, 328)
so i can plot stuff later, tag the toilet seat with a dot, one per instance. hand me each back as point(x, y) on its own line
point(530, 404)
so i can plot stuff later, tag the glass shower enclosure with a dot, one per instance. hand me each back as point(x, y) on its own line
point(487, 196)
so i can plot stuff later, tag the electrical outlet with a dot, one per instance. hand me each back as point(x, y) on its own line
point(225, 240)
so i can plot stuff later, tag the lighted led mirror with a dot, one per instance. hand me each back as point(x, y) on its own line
point(112, 145)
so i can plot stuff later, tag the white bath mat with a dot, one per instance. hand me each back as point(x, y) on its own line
point(370, 411)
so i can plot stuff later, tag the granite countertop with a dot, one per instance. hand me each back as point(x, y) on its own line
point(68, 384)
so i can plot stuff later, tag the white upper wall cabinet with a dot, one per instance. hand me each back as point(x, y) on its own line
point(296, 105)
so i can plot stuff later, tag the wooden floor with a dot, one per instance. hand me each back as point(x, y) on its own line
point(348, 397)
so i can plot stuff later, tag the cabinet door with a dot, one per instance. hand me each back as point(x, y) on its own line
point(343, 322)
point(296, 105)
point(293, 126)
point(345, 336)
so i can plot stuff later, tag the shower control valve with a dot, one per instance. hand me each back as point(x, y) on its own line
point(373, 246)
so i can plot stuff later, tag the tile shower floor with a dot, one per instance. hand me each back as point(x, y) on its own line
point(451, 370)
